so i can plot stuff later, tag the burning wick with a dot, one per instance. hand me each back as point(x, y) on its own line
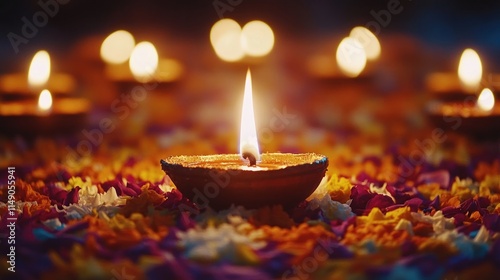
point(251, 158)
point(249, 146)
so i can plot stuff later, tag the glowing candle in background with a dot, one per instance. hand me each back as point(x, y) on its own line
point(225, 37)
point(231, 42)
point(117, 47)
point(368, 40)
point(351, 57)
point(144, 62)
point(45, 101)
point(39, 71)
point(470, 70)
point(486, 100)
point(257, 38)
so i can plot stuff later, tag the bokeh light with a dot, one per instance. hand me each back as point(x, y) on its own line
point(225, 38)
point(486, 100)
point(45, 100)
point(368, 40)
point(470, 70)
point(117, 47)
point(257, 38)
point(39, 71)
point(144, 61)
point(351, 57)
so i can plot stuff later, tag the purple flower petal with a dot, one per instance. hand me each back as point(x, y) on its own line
point(72, 196)
point(441, 177)
point(459, 219)
point(414, 204)
point(492, 222)
point(340, 227)
point(436, 203)
point(381, 201)
point(495, 252)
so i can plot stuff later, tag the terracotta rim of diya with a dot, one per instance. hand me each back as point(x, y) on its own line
point(220, 181)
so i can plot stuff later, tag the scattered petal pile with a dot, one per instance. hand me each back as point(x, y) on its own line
point(119, 217)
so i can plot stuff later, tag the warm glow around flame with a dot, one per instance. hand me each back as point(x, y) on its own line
point(368, 40)
point(117, 47)
point(351, 57)
point(486, 100)
point(39, 71)
point(470, 70)
point(45, 100)
point(248, 133)
point(144, 61)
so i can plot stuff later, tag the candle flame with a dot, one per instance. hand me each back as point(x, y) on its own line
point(248, 133)
point(368, 40)
point(486, 100)
point(144, 62)
point(117, 47)
point(351, 57)
point(45, 100)
point(470, 70)
point(39, 71)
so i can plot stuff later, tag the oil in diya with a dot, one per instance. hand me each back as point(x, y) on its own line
point(249, 179)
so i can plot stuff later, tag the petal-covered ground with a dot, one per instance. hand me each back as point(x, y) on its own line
point(115, 215)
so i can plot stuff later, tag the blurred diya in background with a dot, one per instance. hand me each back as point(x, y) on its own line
point(36, 111)
point(458, 106)
point(144, 64)
point(249, 179)
point(137, 71)
point(478, 117)
point(466, 81)
point(241, 45)
point(18, 86)
point(352, 56)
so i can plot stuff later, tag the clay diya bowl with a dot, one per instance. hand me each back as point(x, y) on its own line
point(220, 181)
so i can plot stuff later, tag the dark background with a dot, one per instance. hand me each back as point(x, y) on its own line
point(447, 25)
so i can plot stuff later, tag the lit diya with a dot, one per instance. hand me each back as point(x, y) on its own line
point(16, 86)
point(37, 112)
point(459, 108)
point(144, 64)
point(137, 70)
point(45, 116)
point(249, 179)
point(454, 86)
point(351, 58)
point(477, 117)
